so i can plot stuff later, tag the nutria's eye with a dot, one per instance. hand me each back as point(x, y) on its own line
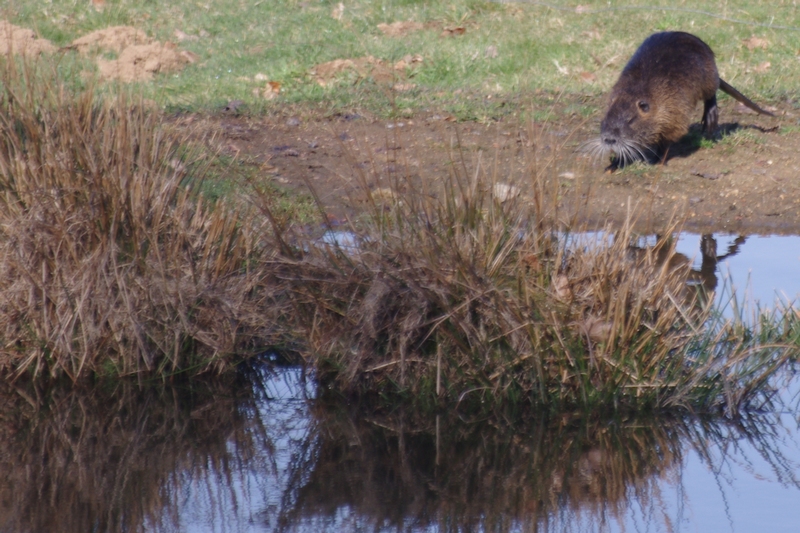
point(644, 106)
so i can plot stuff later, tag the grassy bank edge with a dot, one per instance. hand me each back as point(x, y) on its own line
point(113, 264)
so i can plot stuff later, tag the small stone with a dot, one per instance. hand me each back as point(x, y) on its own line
point(504, 192)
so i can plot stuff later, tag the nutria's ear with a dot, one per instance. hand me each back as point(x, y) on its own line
point(644, 106)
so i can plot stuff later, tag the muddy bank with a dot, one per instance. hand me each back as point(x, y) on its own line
point(744, 182)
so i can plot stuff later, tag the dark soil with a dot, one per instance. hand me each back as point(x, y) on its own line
point(746, 182)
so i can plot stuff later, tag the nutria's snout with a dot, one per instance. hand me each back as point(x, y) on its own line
point(618, 137)
point(625, 131)
point(610, 135)
point(609, 141)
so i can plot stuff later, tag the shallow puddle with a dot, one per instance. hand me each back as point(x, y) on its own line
point(340, 470)
point(756, 270)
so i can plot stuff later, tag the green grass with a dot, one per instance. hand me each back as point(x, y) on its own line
point(696, 139)
point(538, 49)
point(637, 169)
point(741, 136)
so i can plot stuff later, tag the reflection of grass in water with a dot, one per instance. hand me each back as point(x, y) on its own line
point(549, 475)
point(122, 459)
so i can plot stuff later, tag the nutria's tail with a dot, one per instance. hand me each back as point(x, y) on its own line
point(723, 85)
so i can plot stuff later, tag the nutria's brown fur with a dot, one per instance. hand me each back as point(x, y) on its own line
point(652, 102)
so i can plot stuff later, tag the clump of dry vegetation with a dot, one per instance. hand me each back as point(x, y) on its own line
point(108, 264)
point(112, 264)
point(462, 299)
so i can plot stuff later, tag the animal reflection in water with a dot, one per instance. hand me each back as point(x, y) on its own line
point(704, 277)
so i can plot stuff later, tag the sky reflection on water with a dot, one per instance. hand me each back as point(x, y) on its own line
point(342, 470)
point(271, 458)
point(763, 269)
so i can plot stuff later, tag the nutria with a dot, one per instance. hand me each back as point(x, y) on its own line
point(651, 104)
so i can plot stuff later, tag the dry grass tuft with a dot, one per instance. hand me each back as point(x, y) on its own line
point(459, 298)
point(469, 300)
point(107, 263)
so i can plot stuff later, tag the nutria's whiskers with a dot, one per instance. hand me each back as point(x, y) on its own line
point(626, 151)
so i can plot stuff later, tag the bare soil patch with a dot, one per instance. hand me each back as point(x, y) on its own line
point(381, 71)
point(17, 40)
point(745, 183)
point(140, 62)
point(400, 28)
point(139, 56)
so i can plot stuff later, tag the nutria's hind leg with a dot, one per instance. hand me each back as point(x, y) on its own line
point(710, 116)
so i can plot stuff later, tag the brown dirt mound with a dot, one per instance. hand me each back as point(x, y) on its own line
point(115, 38)
point(140, 57)
point(140, 62)
point(14, 39)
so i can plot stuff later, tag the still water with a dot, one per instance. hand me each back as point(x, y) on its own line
point(762, 268)
point(260, 452)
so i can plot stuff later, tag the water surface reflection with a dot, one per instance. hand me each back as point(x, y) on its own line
point(271, 457)
point(762, 269)
point(756, 267)
point(392, 474)
point(122, 459)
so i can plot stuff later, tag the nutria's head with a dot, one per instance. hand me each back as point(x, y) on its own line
point(630, 129)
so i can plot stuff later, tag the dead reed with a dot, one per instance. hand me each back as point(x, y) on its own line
point(108, 264)
point(459, 298)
